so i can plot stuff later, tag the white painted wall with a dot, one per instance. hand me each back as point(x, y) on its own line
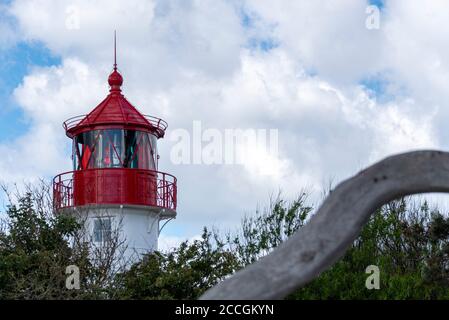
point(137, 226)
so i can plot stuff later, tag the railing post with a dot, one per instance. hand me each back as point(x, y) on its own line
point(164, 190)
point(175, 194)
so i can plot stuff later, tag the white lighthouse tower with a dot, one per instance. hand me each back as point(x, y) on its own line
point(115, 179)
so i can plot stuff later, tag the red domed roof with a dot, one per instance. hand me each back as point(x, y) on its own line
point(115, 112)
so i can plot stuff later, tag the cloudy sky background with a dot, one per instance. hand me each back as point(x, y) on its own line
point(341, 95)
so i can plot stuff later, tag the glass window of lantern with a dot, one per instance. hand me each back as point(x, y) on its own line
point(109, 149)
point(84, 145)
point(75, 157)
point(117, 141)
point(115, 148)
point(139, 150)
point(153, 143)
point(145, 152)
point(131, 138)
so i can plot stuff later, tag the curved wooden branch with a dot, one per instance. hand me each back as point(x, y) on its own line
point(337, 223)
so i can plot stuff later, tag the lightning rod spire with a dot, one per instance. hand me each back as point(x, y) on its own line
point(115, 50)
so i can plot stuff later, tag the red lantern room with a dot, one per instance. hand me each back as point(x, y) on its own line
point(115, 159)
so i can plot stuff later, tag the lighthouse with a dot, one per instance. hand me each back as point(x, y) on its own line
point(115, 180)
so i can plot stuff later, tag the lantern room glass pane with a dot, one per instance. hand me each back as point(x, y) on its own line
point(115, 148)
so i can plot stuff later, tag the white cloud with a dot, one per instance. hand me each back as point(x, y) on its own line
point(167, 243)
point(188, 60)
point(329, 37)
point(48, 96)
point(51, 94)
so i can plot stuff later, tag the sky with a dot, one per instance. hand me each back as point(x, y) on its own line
point(341, 90)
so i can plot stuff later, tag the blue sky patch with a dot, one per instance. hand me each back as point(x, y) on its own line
point(256, 43)
point(15, 63)
point(262, 44)
point(378, 87)
point(378, 3)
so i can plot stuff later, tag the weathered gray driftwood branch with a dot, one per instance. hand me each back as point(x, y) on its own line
point(337, 223)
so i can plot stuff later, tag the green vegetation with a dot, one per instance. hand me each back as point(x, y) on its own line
point(409, 244)
point(407, 241)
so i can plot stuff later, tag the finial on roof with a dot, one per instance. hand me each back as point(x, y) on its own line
point(115, 79)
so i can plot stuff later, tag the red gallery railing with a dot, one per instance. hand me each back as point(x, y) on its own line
point(74, 121)
point(114, 186)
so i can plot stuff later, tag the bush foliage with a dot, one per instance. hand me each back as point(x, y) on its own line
point(407, 240)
